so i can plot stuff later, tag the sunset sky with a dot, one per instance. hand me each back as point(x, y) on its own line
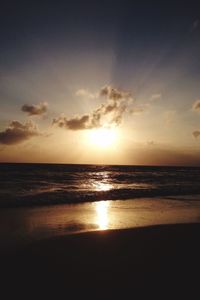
point(112, 82)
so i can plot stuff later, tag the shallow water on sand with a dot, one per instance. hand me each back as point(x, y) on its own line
point(23, 225)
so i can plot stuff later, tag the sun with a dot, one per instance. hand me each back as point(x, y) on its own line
point(103, 137)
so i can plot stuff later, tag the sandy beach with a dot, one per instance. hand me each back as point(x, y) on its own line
point(159, 261)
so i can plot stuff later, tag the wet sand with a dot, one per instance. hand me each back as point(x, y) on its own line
point(24, 225)
point(160, 261)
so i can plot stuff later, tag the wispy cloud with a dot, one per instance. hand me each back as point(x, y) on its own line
point(35, 109)
point(17, 133)
point(155, 97)
point(86, 93)
point(108, 114)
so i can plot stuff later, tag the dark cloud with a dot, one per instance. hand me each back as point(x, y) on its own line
point(196, 134)
point(76, 123)
point(109, 114)
point(17, 133)
point(196, 106)
point(114, 94)
point(35, 109)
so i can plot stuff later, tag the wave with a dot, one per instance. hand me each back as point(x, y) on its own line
point(45, 184)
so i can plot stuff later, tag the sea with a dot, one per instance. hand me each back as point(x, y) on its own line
point(44, 200)
point(47, 184)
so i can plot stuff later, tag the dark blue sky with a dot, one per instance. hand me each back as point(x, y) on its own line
point(141, 33)
point(135, 24)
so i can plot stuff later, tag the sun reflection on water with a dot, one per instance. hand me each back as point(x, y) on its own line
point(101, 186)
point(102, 219)
point(102, 182)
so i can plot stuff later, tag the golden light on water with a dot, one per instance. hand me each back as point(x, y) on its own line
point(102, 218)
point(102, 183)
point(100, 186)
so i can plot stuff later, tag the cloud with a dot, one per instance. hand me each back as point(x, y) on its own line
point(155, 97)
point(76, 123)
point(196, 134)
point(196, 106)
point(114, 94)
point(86, 93)
point(35, 109)
point(108, 114)
point(17, 133)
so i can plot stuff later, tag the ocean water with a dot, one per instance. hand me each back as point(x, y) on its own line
point(40, 184)
point(92, 198)
point(45, 184)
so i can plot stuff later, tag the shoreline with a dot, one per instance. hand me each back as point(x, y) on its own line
point(153, 259)
point(48, 202)
point(27, 224)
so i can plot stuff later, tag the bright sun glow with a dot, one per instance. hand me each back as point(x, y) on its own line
point(103, 137)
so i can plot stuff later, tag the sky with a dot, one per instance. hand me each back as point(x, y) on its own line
point(103, 82)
